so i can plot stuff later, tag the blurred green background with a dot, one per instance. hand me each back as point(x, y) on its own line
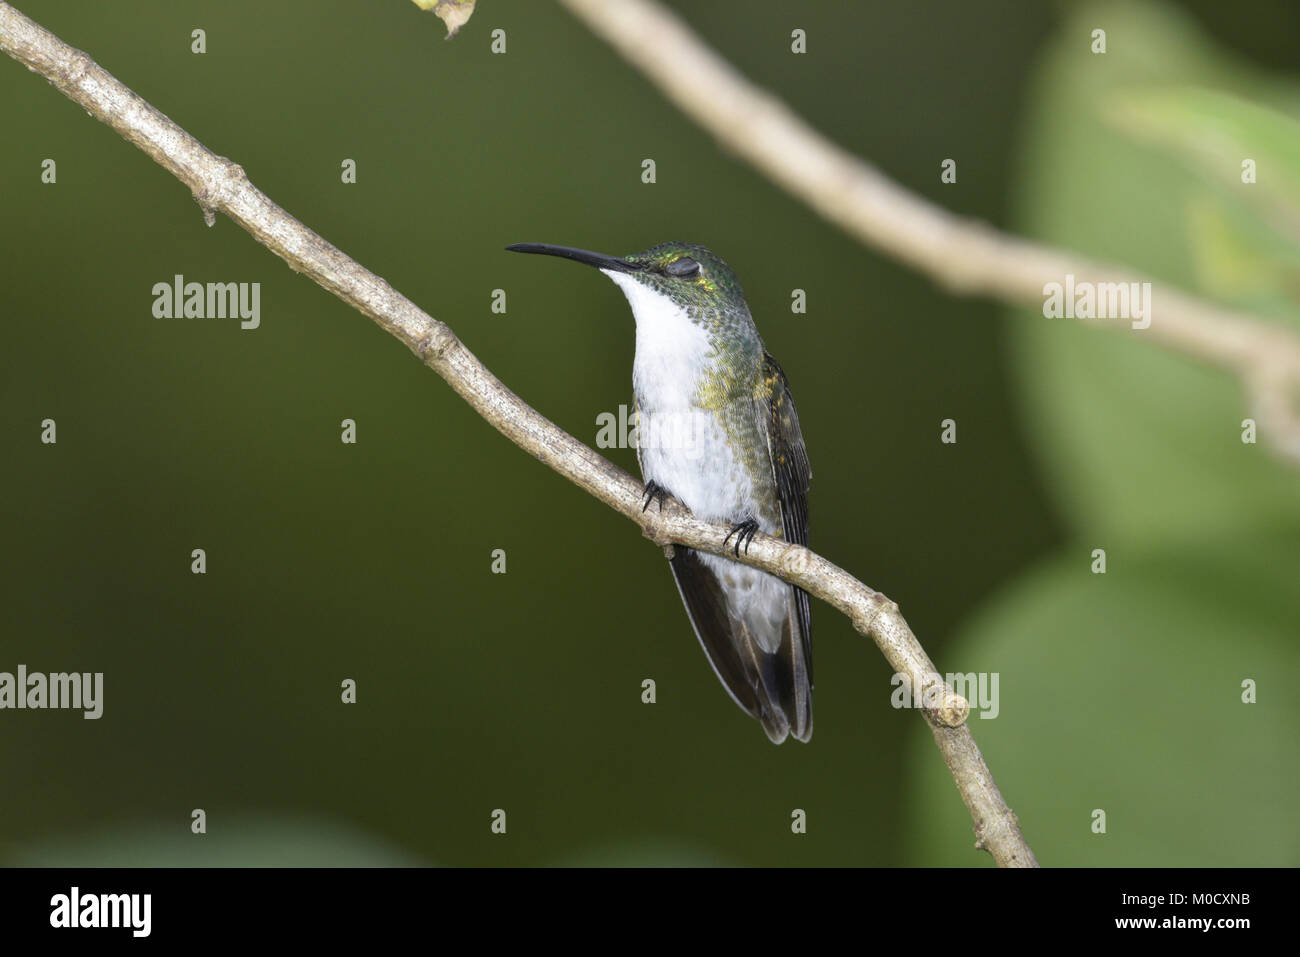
point(522, 691)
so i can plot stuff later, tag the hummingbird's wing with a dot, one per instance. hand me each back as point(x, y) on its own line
point(706, 605)
point(768, 685)
point(792, 476)
point(790, 468)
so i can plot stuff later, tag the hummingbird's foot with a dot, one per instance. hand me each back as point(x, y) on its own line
point(744, 532)
point(657, 493)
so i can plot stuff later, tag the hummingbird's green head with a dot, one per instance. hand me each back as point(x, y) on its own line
point(690, 276)
point(694, 333)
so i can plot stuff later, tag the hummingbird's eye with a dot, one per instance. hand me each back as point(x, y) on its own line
point(683, 268)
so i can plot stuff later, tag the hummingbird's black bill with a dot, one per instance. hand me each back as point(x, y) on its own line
point(599, 260)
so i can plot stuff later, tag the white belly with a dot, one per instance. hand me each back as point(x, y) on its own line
point(686, 452)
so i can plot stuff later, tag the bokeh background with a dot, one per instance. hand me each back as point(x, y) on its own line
point(522, 691)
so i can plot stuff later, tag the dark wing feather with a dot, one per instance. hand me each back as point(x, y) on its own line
point(790, 465)
point(793, 476)
point(755, 679)
point(707, 607)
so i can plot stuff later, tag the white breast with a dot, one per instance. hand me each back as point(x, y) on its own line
point(680, 445)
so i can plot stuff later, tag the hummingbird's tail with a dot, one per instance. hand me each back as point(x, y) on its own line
point(768, 675)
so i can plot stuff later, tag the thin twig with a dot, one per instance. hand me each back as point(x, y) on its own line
point(963, 255)
point(220, 185)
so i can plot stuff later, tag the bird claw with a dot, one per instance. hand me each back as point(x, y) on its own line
point(744, 532)
point(655, 492)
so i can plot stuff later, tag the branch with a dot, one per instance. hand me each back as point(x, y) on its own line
point(220, 185)
point(962, 255)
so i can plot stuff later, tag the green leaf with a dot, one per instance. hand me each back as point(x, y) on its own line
point(1123, 692)
point(1212, 133)
point(1134, 156)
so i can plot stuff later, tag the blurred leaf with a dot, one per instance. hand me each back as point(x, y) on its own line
point(1134, 156)
point(1213, 132)
point(1123, 692)
point(1237, 263)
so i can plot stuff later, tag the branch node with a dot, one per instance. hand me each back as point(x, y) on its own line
point(221, 189)
point(433, 346)
point(75, 70)
point(203, 197)
point(877, 605)
point(796, 561)
point(953, 711)
point(941, 704)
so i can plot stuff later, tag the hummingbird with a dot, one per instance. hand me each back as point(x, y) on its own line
point(717, 430)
